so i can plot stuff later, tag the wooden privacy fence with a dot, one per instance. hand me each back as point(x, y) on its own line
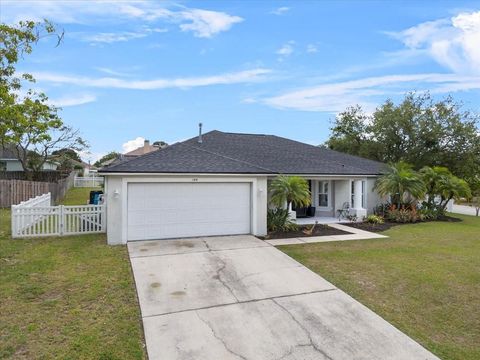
point(44, 176)
point(34, 219)
point(16, 191)
point(90, 181)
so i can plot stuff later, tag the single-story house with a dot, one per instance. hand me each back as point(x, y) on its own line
point(140, 151)
point(216, 184)
point(9, 161)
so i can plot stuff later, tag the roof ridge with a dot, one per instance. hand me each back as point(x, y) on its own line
point(328, 160)
point(230, 158)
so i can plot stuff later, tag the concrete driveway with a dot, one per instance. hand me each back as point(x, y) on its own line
point(463, 209)
point(237, 297)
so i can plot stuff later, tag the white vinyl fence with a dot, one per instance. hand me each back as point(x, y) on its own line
point(91, 181)
point(34, 218)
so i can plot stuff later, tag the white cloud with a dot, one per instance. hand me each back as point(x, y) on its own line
point(110, 71)
point(281, 10)
point(249, 100)
point(333, 97)
point(203, 23)
point(453, 43)
point(73, 100)
point(312, 48)
point(246, 76)
point(131, 145)
point(110, 37)
point(286, 49)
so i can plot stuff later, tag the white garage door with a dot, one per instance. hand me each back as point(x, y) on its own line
point(172, 210)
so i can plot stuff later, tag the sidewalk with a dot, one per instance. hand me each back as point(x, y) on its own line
point(356, 234)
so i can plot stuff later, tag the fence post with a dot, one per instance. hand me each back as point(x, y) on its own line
point(14, 222)
point(62, 219)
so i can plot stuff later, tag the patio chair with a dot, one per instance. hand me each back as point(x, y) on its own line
point(344, 211)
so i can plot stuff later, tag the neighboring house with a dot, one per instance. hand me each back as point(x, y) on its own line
point(216, 184)
point(142, 150)
point(9, 161)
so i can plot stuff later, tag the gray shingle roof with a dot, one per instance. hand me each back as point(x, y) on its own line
point(221, 153)
point(8, 152)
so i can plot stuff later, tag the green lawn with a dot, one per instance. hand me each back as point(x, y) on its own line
point(78, 196)
point(424, 279)
point(67, 298)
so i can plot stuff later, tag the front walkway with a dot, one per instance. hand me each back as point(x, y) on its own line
point(319, 219)
point(355, 234)
point(238, 297)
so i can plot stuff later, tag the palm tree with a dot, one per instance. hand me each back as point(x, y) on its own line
point(432, 177)
point(290, 190)
point(398, 181)
point(452, 187)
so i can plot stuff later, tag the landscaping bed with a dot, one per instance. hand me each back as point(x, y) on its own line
point(320, 230)
point(388, 224)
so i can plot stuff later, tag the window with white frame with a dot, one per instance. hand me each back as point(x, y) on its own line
point(364, 185)
point(324, 194)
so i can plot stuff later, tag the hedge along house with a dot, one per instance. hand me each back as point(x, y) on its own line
point(216, 184)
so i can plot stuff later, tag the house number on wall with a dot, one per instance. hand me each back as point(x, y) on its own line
point(194, 179)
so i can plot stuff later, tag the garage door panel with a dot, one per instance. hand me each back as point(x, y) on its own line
point(170, 210)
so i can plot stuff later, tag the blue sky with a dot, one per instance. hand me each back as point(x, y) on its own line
point(154, 69)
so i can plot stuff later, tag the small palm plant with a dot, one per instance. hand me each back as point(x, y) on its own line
point(433, 177)
point(452, 187)
point(290, 190)
point(399, 181)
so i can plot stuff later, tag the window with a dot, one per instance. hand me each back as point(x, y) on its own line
point(363, 194)
point(323, 193)
point(3, 166)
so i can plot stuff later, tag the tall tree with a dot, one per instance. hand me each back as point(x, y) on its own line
point(68, 153)
point(418, 130)
point(28, 122)
point(111, 155)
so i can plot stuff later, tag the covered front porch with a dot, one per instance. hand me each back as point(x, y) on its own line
point(336, 199)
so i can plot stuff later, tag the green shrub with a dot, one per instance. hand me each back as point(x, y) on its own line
point(374, 219)
point(431, 211)
point(382, 209)
point(278, 220)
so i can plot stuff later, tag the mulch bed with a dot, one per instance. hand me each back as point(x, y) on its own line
point(320, 230)
point(387, 225)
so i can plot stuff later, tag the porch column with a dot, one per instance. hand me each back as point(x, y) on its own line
point(357, 199)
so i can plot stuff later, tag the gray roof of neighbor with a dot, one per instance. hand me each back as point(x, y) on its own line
point(8, 152)
point(221, 153)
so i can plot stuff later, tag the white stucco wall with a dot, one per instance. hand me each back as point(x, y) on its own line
point(16, 165)
point(373, 199)
point(117, 204)
point(342, 193)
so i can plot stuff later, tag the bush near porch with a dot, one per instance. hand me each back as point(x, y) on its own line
point(68, 298)
point(424, 279)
